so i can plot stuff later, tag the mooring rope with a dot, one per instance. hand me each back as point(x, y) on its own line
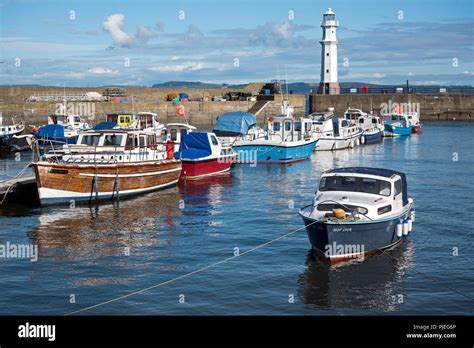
point(190, 273)
point(20, 173)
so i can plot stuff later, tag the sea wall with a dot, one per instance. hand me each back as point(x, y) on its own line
point(13, 103)
point(431, 106)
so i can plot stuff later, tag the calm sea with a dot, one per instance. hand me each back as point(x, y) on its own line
point(92, 254)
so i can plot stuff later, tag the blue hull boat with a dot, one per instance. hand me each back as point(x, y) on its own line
point(395, 131)
point(358, 211)
point(375, 236)
point(271, 153)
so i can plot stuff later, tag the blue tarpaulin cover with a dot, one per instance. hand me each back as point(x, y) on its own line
point(183, 96)
point(51, 131)
point(194, 145)
point(234, 123)
point(105, 125)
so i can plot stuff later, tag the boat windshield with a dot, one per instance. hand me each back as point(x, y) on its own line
point(91, 140)
point(355, 184)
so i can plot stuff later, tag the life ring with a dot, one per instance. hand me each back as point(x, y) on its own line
point(180, 111)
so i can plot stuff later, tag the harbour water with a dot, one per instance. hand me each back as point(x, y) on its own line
point(92, 254)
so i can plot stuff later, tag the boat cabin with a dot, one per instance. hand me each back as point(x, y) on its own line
point(175, 131)
point(400, 119)
point(289, 129)
point(122, 119)
point(369, 122)
point(370, 191)
point(326, 124)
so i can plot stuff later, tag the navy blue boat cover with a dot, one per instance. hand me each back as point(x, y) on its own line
point(194, 145)
point(105, 125)
point(51, 131)
point(234, 123)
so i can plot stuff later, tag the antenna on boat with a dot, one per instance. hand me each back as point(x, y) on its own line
point(286, 81)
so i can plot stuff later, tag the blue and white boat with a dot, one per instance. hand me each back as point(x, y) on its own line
point(358, 211)
point(396, 125)
point(288, 140)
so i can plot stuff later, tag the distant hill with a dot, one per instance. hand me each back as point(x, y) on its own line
point(195, 84)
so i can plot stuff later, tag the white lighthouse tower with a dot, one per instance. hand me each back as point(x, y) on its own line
point(329, 80)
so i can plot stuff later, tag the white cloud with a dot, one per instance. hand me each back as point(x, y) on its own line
point(113, 25)
point(143, 33)
point(284, 30)
point(102, 71)
point(179, 67)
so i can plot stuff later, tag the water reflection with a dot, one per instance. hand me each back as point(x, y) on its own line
point(371, 284)
point(90, 232)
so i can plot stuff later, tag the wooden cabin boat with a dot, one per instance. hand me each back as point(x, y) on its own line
point(104, 165)
point(288, 140)
point(371, 125)
point(358, 211)
point(332, 132)
point(203, 155)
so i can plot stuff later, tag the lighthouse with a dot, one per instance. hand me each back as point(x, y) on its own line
point(329, 80)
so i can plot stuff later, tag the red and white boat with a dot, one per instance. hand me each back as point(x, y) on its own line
point(202, 154)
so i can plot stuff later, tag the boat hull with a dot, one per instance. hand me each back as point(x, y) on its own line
point(341, 241)
point(394, 131)
point(371, 138)
point(195, 169)
point(337, 143)
point(62, 183)
point(262, 153)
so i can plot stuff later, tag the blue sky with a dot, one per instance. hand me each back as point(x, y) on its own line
point(146, 42)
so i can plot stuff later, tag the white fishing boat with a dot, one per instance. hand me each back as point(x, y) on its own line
point(371, 125)
point(8, 131)
point(332, 132)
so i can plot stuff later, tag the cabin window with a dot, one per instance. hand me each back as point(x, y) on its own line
point(287, 126)
point(214, 140)
point(398, 187)
point(361, 120)
point(91, 140)
point(113, 140)
point(77, 119)
point(355, 184)
point(298, 126)
point(174, 134)
point(344, 123)
point(307, 126)
point(276, 126)
point(374, 120)
point(385, 209)
point(142, 141)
